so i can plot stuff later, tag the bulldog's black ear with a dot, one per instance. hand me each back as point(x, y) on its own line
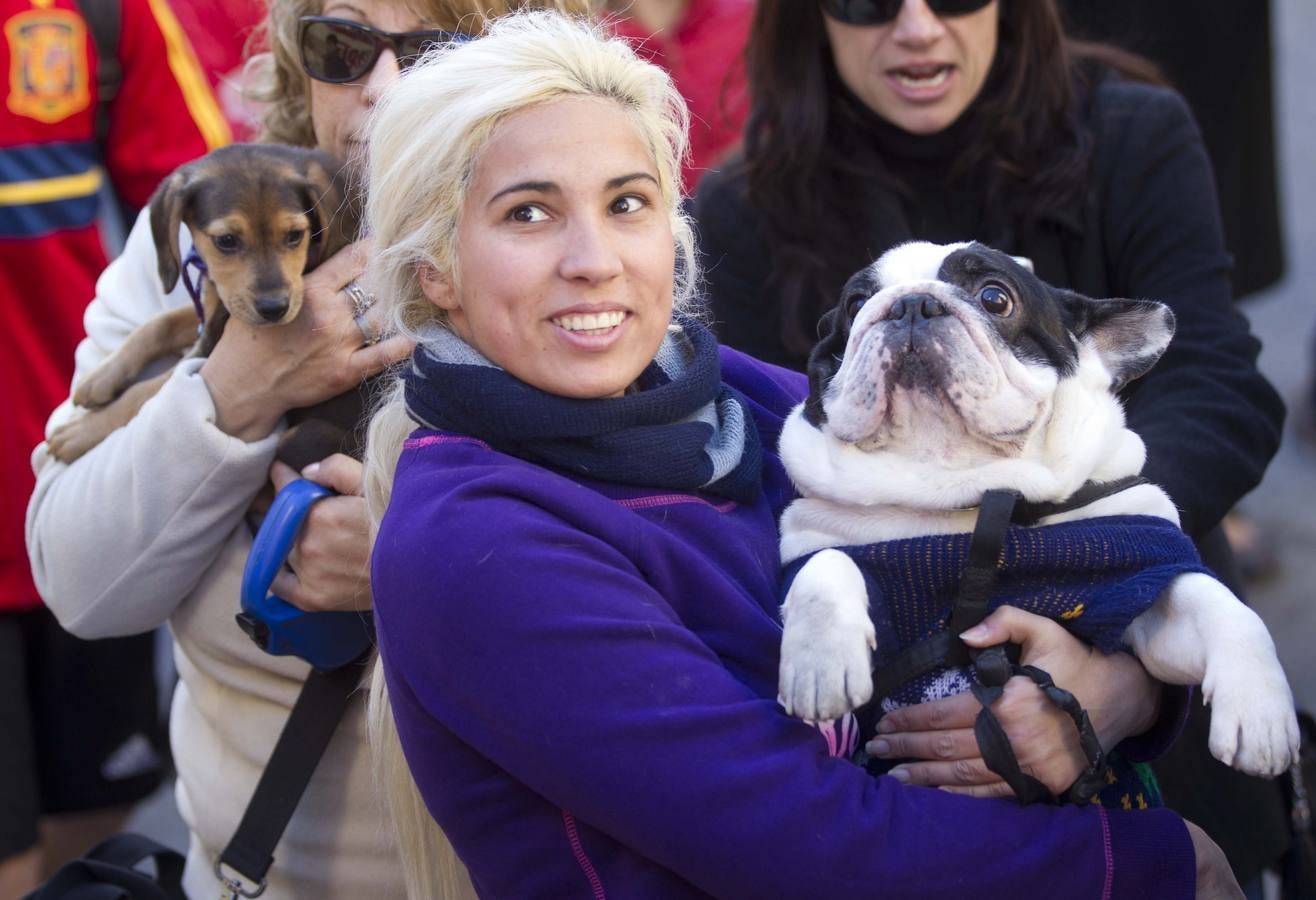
point(824, 360)
point(1129, 335)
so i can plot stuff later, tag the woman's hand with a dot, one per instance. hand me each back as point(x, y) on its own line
point(256, 373)
point(1120, 697)
point(330, 561)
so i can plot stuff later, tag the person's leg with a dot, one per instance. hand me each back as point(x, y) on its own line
point(20, 858)
point(98, 736)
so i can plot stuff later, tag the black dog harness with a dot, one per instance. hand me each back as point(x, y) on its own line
point(995, 666)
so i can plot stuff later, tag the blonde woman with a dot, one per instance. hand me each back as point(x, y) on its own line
point(575, 572)
point(148, 527)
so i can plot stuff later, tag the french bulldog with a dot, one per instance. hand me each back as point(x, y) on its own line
point(948, 371)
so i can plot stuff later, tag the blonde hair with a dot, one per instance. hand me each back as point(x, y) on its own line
point(427, 135)
point(275, 75)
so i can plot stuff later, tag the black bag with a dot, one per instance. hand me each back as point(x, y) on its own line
point(112, 870)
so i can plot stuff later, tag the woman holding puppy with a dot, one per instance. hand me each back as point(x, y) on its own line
point(575, 575)
point(149, 527)
point(875, 123)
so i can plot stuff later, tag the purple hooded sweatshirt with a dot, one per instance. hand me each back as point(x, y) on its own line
point(584, 678)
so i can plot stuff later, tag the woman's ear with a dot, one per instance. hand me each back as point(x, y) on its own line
point(437, 288)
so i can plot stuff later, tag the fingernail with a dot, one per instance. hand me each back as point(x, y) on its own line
point(977, 632)
point(878, 747)
point(900, 773)
point(885, 726)
point(311, 471)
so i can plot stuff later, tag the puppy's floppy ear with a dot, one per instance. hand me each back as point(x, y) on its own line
point(167, 207)
point(1129, 335)
point(824, 360)
point(335, 216)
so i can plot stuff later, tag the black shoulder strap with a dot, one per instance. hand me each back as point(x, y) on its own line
point(305, 735)
point(104, 20)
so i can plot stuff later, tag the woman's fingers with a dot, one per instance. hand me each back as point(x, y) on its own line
point(932, 745)
point(948, 713)
point(375, 358)
point(998, 789)
point(952, 773)
point(338, 472)
point(1009, 624)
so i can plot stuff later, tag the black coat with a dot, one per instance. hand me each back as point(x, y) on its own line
point(1151, 229)
point(1217, 53)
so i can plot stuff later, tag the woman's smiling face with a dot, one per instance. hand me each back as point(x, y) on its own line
point(564, 253)
point(920, 71)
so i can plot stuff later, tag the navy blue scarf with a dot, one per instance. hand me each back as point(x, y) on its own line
point(683, 429)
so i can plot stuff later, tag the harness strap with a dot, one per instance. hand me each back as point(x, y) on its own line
point(975, 593)
point(996, 665)
point(1029, 513)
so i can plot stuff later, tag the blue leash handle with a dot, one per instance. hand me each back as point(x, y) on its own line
point(326, 640)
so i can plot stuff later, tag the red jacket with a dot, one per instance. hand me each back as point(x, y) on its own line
point(51, 169)
point(705, 56)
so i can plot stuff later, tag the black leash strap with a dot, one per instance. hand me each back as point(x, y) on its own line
point(996, 665)
point(306, 734)
point(975, 593)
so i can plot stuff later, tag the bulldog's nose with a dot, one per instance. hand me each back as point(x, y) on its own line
point(915, 307)
point(271, 309)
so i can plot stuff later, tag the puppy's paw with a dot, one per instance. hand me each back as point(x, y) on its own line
point(1253, 725)
point(72, 439)
point(99, 386)
point(827, 641)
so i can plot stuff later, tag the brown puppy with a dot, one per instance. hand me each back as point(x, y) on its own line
point(261, 216)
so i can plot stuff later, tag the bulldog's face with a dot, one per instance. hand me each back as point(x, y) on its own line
point(960, 349)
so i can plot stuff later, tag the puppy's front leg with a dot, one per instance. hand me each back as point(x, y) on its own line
point(169, 333)
point(1198, 632)
point(827, 640)
point(71, 440)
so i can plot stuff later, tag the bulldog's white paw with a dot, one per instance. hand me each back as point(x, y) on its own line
point(1253, 726)
point(827, 641)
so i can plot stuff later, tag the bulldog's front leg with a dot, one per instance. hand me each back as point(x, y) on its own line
point(827, 640)
point(1198, 632)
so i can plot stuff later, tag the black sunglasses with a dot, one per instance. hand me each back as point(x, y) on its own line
point(340, 50)
point(880, 12)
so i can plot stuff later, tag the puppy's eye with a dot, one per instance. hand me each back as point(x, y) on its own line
point(294, 238)
point(996, 300)
point(855, 303)
point(227, 243)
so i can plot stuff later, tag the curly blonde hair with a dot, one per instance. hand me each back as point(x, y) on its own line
point(275, 75)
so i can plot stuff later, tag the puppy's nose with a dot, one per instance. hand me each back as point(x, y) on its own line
point(915, 307)
point(271, 309)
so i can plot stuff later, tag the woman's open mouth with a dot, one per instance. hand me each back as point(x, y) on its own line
point(921, 80)
point(590, 324)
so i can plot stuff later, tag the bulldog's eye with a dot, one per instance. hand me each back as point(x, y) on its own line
point(996, 300)
point(854, 304)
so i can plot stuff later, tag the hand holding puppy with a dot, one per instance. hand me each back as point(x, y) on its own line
point(257, 373)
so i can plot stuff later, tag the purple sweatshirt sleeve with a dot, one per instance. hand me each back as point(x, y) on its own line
point(542, 648)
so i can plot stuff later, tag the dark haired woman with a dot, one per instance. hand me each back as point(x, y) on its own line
point(879, 121)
